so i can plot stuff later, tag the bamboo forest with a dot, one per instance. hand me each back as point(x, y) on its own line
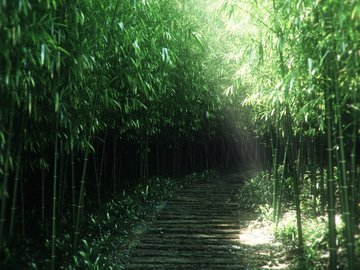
point(180, 134)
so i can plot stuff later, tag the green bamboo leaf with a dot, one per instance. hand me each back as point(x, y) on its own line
point(2, 140)
point(198, 38)
point(42, 54)
point(310, 66)
point(57, 102)
point(58, 62)
point(29, 104)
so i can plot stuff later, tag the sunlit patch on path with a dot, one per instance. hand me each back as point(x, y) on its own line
point(254, 236)
point(203, 228)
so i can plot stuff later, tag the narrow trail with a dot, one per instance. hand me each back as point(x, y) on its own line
point(199, 228)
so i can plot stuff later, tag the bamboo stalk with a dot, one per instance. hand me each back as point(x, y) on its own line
point(55, 176)
point(343, 181)
point(353, 176)
point(22, 204)
point(4, 195)
point(15, 192)
point(80, 205)
point(322, 176)
point(296, 176)
point(102, 165)
point(283, 177)
point(157, 155)
point(61, 172)
point(97, 181)
point(43, 196)
point(146, 158)
point(313, 176)
point(114, 164)
point(275, 146)
point(330, 181)
point(73, 186)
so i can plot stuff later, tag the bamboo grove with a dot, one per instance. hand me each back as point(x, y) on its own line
point(97, 95)
point(304, 89)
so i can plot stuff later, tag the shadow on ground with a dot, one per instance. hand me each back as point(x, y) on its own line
point(203, 227)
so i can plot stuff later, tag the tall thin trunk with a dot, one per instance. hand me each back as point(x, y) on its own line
point(17, 178)
point(189, 163)
point(223, 157)
point(119, 166)
point(146, 158)
point(283, 177)
point(60, 176)
point(330, 181)
point(274, 186)
point(296, 172)
point(73, 186)
point(157, 155)
point(80, 205)
point(206, 155)
point(353, 174)
point(275, 152)
point(179, 160)
point(22, 204)
point(6, 177)
point(174, 156)
point(343, 181)
point(164, 164)
point(313, 176)
point(15, 192)
point(114, 164)
point(256, 150)
point(228, 154)
point(97, 181)
point(322, 176)
point(43, 175)
point(194, 157)
point(54, 200)
point(64, 180)
point(102, 165)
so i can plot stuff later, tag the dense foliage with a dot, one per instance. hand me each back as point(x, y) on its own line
point(99, 95)
point(302, 72)
point(95, 96)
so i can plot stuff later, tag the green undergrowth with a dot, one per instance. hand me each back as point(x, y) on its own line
point(109, 234)
point(256, 195)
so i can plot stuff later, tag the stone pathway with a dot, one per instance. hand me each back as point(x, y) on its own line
point(200, 228)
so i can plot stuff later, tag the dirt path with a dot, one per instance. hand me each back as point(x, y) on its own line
point(203, 228)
